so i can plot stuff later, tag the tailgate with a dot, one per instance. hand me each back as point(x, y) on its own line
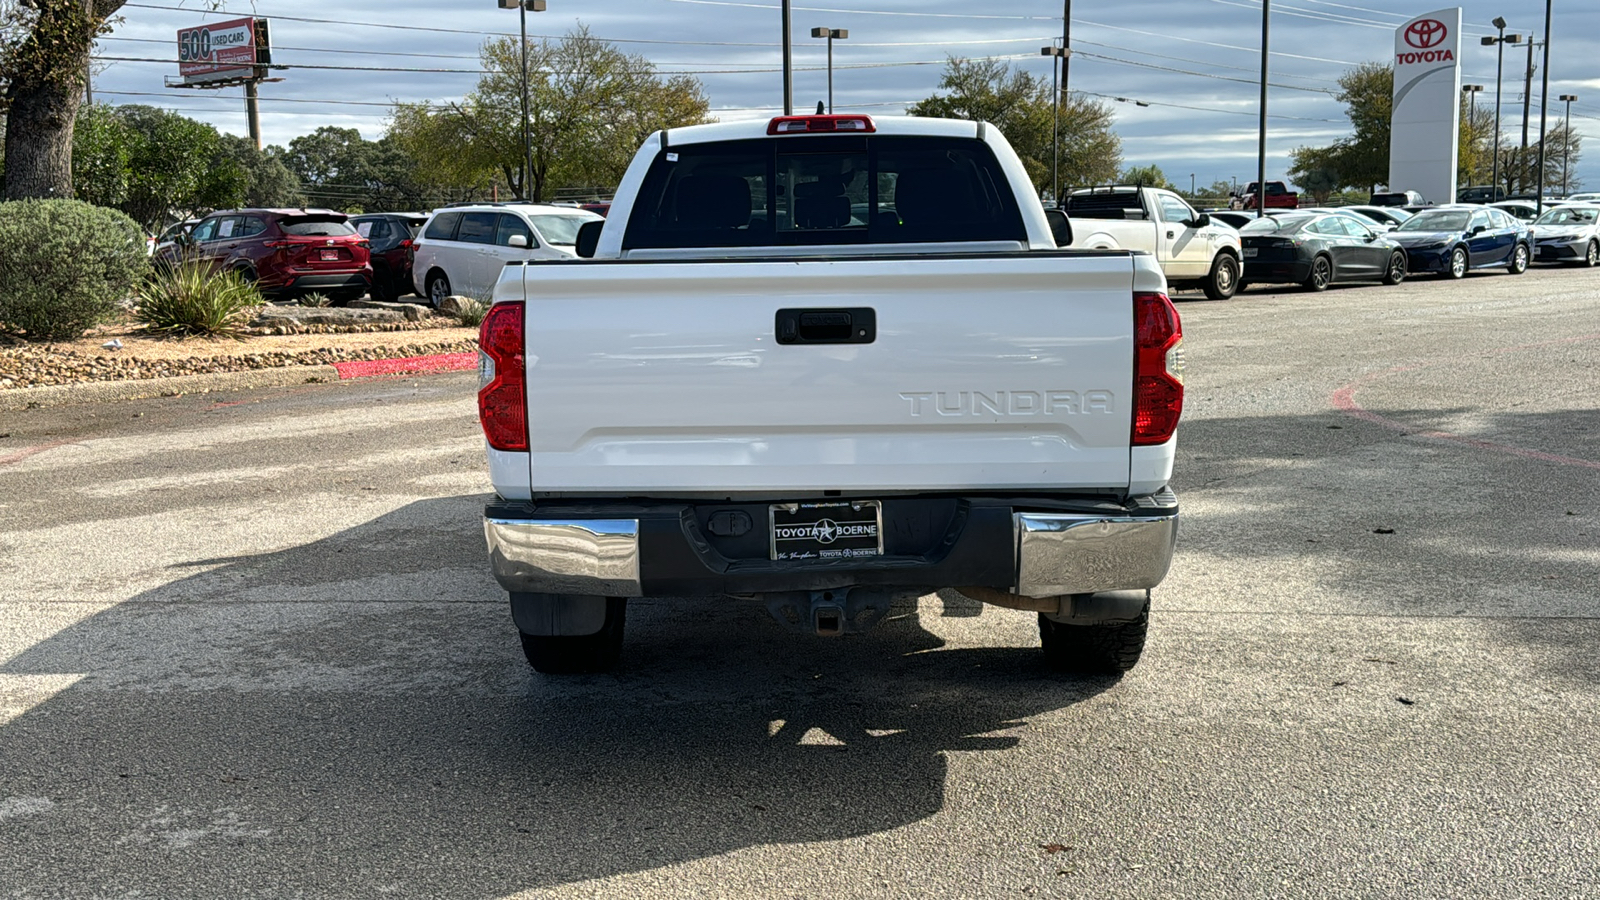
point(997, 372)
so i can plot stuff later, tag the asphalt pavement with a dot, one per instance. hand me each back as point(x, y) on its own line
point(249, 647)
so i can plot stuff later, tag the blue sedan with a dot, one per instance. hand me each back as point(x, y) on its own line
point(1453, 240)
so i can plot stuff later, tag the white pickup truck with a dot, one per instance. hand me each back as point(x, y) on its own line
point(1192, 249)
point(828, 362)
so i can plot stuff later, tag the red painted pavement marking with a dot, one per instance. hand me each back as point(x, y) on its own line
point(26, 452)
point(1344, 400)
point(444, 362)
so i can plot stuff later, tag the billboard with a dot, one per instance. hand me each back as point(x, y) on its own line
point(1426, 117)
point(222, 51)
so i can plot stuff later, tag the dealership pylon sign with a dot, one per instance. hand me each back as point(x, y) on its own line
point(1426, 120)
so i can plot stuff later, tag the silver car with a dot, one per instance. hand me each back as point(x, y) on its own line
point(1568, 234)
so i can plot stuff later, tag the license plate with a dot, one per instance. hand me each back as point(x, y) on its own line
point(847, 529)
point(1249, 252)
point(330, 254)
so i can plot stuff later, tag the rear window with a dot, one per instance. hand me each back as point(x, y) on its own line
point(315, 226)
point(443, 227)
point(823, 190)
point(561, 230)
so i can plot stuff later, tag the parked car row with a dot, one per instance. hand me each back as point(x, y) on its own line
point(1319, 247)
point(288, 253)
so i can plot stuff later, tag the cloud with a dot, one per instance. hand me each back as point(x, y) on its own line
point(1194, 61)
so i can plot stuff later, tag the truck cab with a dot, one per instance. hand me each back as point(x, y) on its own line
point(1192, 250)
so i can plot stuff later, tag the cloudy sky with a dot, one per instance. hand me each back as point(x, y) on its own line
point(1195, 62)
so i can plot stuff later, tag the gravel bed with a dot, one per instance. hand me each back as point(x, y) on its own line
point(24, 366)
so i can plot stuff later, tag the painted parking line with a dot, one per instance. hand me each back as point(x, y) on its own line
point(1344, 400)
point(444, 362)
point(26, 452)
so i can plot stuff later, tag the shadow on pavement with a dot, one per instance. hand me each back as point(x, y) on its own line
point(262, 729)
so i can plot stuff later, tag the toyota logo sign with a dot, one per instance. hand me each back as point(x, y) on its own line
point(1425, 33)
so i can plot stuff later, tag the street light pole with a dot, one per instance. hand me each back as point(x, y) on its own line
point(830, 34)
point(1566, 140)
point(1058, 57)
point(1500, 42)
point(1261, 144)
point(1472, 91)
point(1544, 112)
point(523, 7)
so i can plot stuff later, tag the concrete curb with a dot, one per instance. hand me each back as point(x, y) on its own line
point(145, 388)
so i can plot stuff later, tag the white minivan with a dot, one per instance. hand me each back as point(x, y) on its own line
point(463, 248)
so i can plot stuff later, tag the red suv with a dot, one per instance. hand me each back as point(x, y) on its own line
point(286, 252)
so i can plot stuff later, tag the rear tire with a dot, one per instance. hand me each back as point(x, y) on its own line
point(438, 288)
point(1396, 272)
point(1223, 282)
point(1104, 649)
point(383, 287)
point(567, 655)
point(1321, 275)
point(1519, 259)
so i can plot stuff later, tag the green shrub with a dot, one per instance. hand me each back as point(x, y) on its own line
point(472, 312)
point(316, 299)
point(189, 298)
point(65, 266)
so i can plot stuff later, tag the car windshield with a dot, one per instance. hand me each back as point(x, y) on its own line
point(1568, 215)
point(1273, 224)
point(1453, 220)
point(561, 230)
point(315, 226)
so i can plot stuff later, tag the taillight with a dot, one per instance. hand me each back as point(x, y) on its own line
point(502, 395)
point(814, 124)
point(279, 245)
point(1158, 369)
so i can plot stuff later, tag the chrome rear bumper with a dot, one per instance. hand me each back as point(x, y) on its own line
point(1053, 554)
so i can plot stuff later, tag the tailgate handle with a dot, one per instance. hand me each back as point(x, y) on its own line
point(855, 325)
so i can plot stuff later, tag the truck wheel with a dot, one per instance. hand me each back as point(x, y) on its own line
point(1223, 282)
point(1102, 649)
point(570, 654)
point(1321, 274)
point(1396, 272)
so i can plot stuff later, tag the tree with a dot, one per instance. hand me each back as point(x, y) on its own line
point(267, 182)
point(1148, 175)
point(590, 106)
point(153, 164)
point(1019, 104)
point(1519, 168)
point(44, 58)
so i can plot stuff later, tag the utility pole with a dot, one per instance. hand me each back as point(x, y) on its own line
point(1066, 45)
point(788, 64)
point(1544, 111)
point(1527, 102)
point(1261, 143)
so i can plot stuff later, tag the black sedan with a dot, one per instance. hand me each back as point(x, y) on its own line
point(391, 235)
point(1315, 250)
point(1452, 240)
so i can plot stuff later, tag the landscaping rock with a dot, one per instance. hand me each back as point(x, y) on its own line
point(451, 306)
point(338, 316)
point(412, 311)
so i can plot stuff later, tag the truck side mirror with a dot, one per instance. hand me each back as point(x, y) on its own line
point(1201, 220)
point(588, 239)
point(1060, 227)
